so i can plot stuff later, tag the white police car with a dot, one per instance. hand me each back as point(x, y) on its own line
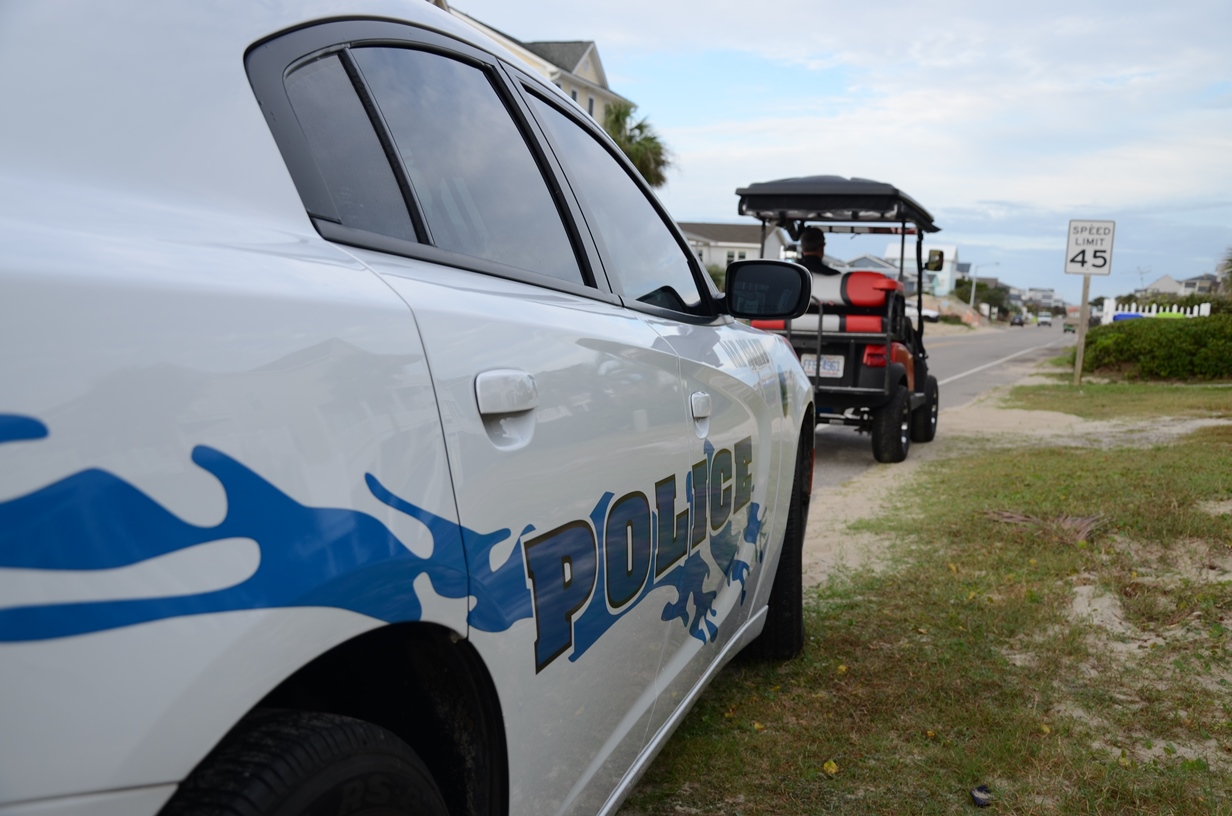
point(370, 442)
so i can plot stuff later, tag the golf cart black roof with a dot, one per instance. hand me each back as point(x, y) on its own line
point(832, 199)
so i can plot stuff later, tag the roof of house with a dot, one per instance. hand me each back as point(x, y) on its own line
point(871, 262)
point(1166, 280)
point(567, 55)
point(725, 233)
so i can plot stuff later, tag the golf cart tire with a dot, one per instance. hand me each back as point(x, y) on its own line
point(891, 428)
point(782, 638)
point(924, 418)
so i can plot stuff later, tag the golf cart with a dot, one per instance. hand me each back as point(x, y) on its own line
point(863, 354)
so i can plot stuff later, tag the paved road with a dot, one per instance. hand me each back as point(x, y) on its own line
point(965, 365)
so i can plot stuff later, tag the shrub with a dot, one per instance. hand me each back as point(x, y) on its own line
point(1152, 349)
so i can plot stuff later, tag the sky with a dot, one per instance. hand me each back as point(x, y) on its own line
point(1004, 120)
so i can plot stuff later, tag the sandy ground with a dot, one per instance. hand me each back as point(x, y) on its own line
point(830, 545)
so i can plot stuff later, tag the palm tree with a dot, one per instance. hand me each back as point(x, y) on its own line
point(639, 142)
point(1225, 273)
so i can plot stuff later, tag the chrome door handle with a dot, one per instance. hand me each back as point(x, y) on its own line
point(505, 391)
point(700, 403)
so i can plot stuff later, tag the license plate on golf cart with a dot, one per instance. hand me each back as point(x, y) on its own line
point(831, 365)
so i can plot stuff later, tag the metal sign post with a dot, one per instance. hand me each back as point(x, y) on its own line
point(1088, 251)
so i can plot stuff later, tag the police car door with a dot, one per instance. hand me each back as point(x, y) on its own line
point(561, 411)
point(708, 515)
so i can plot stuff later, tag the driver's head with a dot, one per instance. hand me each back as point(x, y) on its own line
point(812, 241)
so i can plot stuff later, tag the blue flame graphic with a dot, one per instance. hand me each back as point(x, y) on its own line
point(310, 556)
point(94, 520)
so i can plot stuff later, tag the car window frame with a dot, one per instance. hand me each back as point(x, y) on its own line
point(269, 61)
point(711, 312)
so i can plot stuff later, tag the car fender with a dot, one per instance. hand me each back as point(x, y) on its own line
point(225, 431)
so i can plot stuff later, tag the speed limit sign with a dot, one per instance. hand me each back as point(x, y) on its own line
point(1089, 248)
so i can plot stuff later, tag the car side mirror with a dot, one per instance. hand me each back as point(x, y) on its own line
point(936, 260)
point(767, 290)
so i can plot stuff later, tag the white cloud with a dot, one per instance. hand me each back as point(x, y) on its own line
point(1055, 109)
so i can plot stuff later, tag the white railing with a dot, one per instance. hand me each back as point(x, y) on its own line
point(1131, 308)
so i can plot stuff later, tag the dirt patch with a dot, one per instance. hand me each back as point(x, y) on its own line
point(829, 543)
point(1217, 508)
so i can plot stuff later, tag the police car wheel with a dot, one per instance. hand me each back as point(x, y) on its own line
point(293, 763)
point(783, 635)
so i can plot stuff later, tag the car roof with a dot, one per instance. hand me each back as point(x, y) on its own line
point(150, 100)
point(831, 199)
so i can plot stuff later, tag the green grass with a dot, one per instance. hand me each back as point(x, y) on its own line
point(1120, 400)
point(964, 663)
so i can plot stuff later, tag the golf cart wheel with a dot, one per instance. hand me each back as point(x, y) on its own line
point(924, 418)
point(892, 427)
point(290, 763)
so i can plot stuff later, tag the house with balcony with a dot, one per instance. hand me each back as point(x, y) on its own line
point(1200, 285)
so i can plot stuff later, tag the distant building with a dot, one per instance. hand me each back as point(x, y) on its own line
point(573, 66)
point(935, 283)
point(875, 264)
point(721, 244)
point(1167, 285)
point(1042, 298)
point(1200, 285)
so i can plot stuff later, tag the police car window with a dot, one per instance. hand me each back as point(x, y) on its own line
point(479, 187)
point(346, 150)
point(641, 255)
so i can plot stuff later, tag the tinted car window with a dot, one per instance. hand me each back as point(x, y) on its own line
point(641, 254)
point(346, 149)
point(479, 187)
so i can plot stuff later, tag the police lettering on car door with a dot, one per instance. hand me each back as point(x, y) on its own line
point(587, 573)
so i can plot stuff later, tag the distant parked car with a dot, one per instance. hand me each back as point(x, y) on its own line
point(929, 315)
point(1016, 320)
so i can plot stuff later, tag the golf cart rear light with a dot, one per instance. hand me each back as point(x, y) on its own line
point(875, 356)
point(769, 324)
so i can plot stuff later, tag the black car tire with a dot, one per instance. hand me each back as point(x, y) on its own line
point(782, 638)
point(287, 763)
point(892, 427)
point(924, 418)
